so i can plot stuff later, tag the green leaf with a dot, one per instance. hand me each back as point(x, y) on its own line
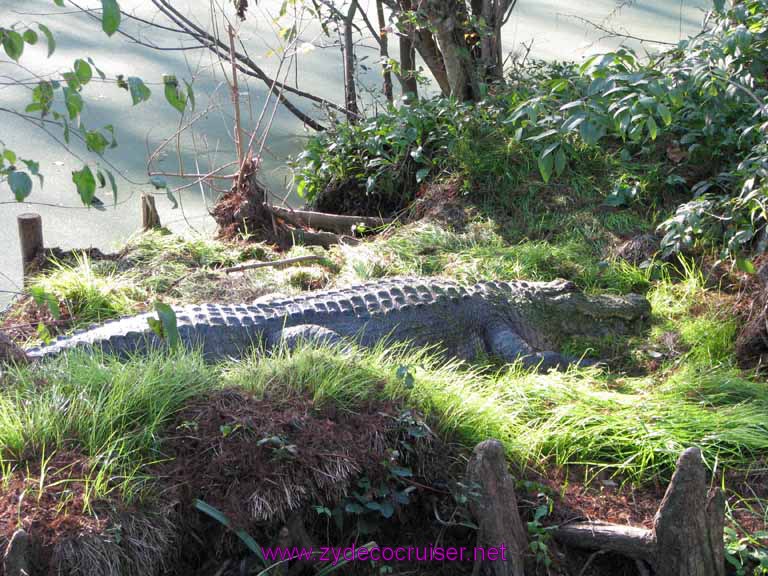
point(111, 129)
point(43, 298)
point(542, 135)
point(401, 472)
point(30, 37)
point(86, 184)
point(591, 132)
point(99, 72)
point(560, 161)
point(190, 94)
point(421, 173)
point(167, 318)
point(546, 164)
point(112, 183)
point(83, 71)
point(48, 38)
point(653, 129)
point(34, 169)
point(139, 91)
point(386, 509)
point(21, 184)
point(665, 114)
point(42, 97)
point(219, 516)
point(58, 2)
point(549, 149)
point(110, 16)
point(9, 155)
point(95, 141)
point(745, 265)
point(72, 80)
point(73, 101)
point(353, 508)
point(175, 97)
point(13, 44)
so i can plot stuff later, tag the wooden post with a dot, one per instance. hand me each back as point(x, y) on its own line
point(495, 512)
point(30, 239)
point(687, 535)
point(689, 523)
point(149, 217)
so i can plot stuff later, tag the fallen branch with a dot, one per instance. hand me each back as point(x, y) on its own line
point(626, 540)
point(278, 263)
point(301, 237)
point(322, 220)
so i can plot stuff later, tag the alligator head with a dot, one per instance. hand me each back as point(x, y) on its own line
point(554, 311)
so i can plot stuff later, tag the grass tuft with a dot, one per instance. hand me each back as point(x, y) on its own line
point(90, 292)
point(112, 412)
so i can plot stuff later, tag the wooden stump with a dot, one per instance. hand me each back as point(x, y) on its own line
point(10, 352)
point(687, 535)
point(496, 511)
point(18, 556)
point(689, 524)
point(149, 216)
point(30, 239)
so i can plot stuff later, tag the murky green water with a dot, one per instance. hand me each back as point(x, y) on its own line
point(552, 26)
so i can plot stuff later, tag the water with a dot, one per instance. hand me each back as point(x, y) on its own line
point(551, 26)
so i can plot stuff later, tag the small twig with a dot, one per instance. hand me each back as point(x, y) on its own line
point(236, 104)
point(588, 563)
point(283, 262)
point(449, 523)
point(615, 33)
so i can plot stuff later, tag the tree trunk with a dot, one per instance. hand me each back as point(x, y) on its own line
point(496, 511)
point(433, 58)
point(689, 523)
point(446, 18)
point(408, 59)
point(350, 93)
point(384, 52)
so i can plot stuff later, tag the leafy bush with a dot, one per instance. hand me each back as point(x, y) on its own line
point(700, 108)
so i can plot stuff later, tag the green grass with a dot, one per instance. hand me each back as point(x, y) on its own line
point(111, 412)
point(631, 426)
point(90, 291)
point(480, 253)
point(158, 246)
point(116, 413)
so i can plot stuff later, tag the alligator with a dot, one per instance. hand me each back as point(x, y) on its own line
point(513, 321)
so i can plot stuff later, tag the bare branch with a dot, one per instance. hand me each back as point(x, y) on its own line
point(615, 33)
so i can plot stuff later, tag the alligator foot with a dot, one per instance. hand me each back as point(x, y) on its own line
point(504, 343)
point(292, 336)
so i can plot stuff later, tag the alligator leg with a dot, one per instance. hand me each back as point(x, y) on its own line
point(507, 345)
point(313, 333)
